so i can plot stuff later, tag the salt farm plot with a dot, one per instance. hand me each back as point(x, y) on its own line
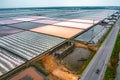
point(4, 31)
point(27, 25)
point(74, 25)
point(64, 32)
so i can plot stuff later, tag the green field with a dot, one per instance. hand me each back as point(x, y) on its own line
point(113, 63)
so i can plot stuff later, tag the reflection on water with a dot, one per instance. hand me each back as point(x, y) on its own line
point(70, 13)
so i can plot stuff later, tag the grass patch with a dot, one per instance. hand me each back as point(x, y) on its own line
point(111, 69)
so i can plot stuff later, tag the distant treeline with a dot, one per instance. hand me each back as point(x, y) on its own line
point(71, 8)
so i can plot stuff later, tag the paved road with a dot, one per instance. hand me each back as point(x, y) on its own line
point(102, 57)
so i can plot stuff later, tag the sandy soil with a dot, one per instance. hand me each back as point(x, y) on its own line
point(86, 46)
point(57, 70)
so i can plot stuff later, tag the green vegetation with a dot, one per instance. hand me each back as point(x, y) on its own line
point(111, 69)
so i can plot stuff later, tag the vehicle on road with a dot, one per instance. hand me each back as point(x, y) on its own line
point(97, 71)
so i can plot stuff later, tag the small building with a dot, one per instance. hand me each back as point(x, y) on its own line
point(63, 50)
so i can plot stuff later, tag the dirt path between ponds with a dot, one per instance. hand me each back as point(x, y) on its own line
point(58, 70)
